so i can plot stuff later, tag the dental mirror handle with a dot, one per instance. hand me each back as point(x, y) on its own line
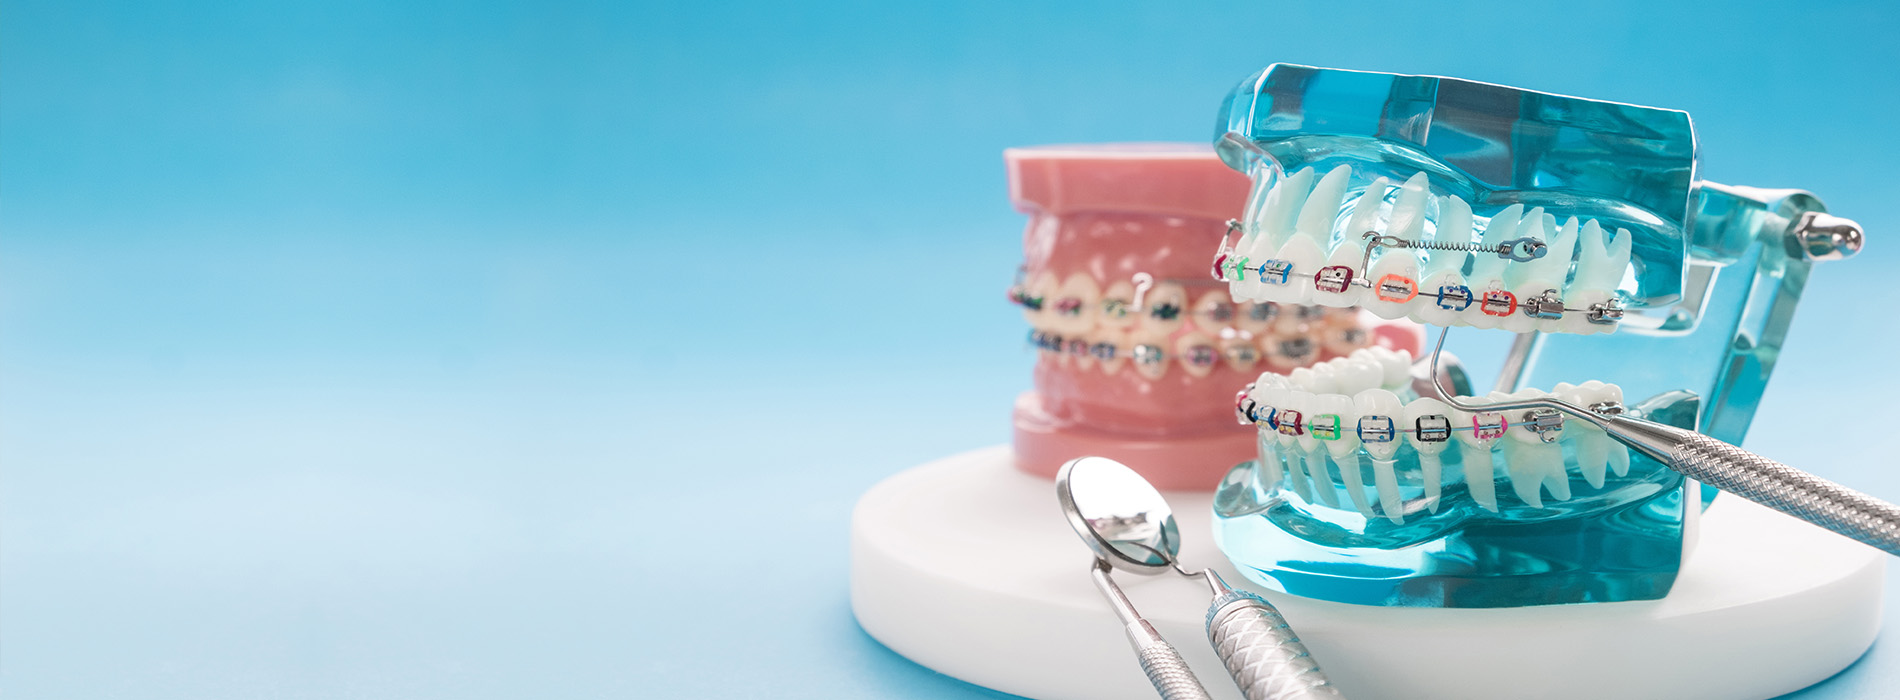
point(1166, 670)
point(1261, 652)
point(1765, 481)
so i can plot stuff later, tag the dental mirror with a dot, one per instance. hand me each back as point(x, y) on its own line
point(1128, 525)
point(1122, 518)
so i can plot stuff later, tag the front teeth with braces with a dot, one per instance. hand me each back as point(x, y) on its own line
point(1527, 272)
point(1325, 421)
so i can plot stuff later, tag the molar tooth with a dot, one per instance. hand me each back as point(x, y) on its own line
point(1601, 264)
point(1430, 467)
point(1594, 448)
point(1395, 277)
point(1526, 467)
point(1487, 269)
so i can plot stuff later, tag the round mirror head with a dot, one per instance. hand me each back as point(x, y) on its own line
point(1121, 517)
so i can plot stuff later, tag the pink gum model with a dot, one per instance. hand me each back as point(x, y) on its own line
point(1098, 216)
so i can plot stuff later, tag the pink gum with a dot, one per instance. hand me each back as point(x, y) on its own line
point(1111, 211)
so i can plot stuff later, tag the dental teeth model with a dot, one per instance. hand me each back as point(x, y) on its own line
point(1574, 223)
point(1138, 352)
point(1528, 272)
point(1337, 423)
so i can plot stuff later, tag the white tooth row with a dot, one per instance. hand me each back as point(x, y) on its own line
point(1319, 423)
point(1282, 256)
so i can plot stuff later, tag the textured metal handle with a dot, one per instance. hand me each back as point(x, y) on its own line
point(1171, 675)
point(1267, 660)
point(1788, 490)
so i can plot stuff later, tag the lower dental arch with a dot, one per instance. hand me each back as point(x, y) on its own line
point(1327, 419)
point(1521, 274)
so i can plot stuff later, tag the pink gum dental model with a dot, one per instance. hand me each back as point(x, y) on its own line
point(1140, 348)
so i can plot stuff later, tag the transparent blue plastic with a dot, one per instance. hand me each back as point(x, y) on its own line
point(1711, 293)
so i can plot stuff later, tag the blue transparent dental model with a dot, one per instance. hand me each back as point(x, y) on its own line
point(1579, 225)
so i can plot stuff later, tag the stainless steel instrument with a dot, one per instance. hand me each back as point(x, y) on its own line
point(1129, 526)
point(1719, 464)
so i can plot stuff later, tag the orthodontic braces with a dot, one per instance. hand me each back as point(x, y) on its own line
point(1546, 423)
point(1400, 289)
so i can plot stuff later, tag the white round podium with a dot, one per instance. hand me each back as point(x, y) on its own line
point(966, 565)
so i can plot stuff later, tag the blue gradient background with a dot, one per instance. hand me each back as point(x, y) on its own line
point(481, 350)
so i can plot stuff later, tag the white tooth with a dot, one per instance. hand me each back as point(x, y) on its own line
point(1309, 450)
point(1444, 267)
point(1264, 176)
point(1396, 365)
point(1601, 264)
point(1306, 258)
point(1487, 269)
point(1325, 379)
point(1276, 397)
point(1316, 223)
point(1431, 469)
point(1356, 375)
point(1399, 265)
point(1271, 464)
point(1365, 210)
point(1530, 467)
point(1526, 470)
point(1322, 206)
point(1536, 277)
point(1595, 450)
point(1480, 474)
point(1379, 403)
point(1335, 412)
point(1304, 402)
point(1387, 482)
point(1302, 378)
point(1273, 225)
point(1350, 254)
point(1355, 484)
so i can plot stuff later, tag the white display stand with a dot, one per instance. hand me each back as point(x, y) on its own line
point(967, 566)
